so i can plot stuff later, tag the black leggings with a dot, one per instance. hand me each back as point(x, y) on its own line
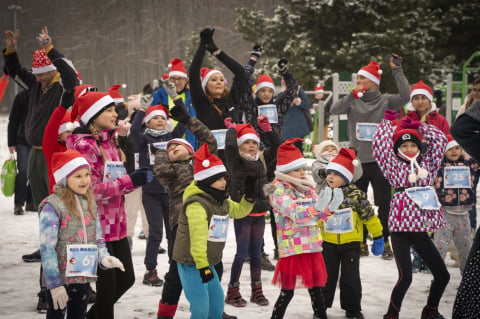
point(286, 296)
point(423, 245)
point(113, 283)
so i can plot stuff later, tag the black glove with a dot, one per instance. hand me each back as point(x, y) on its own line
point(282, 65)
point(180, 113)
point(257, 50)
point(206, 274)
point(250, 182)
point(206, 36)
point(211, 46)
point(139, 177)
point(67, 98)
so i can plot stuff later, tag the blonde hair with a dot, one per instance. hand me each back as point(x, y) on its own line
point(68, 196)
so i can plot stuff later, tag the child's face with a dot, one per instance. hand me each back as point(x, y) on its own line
point(334, 180)
point(265, 94)
point(220, 184)
point(298, 173)
point(249, 146)
point(79, 181)
point(63, 136)
point(157, 122)
point(454, 153)
point(408, 147)
point(177, 152)
point(330, 149)
point(421, 103)
point(106, 120)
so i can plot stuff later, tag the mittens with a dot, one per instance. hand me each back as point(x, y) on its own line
point(140, 177)
point(179, 112)
point(390, 115)
point(145, 101)
point(250, 182)
point(228, 123)
point(323, 199)
point(67, 98)
point(257, 51)
point(282, 65)
point(336, 200)
point(264, 123)
point(378, 246)
point(170, 89)
point(206, 274)
point(59, 297)
point(112, 262)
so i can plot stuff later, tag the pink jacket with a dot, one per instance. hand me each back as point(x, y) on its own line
point(108, 195)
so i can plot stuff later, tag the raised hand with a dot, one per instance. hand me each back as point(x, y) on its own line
point(12, 39)
point(43, 39)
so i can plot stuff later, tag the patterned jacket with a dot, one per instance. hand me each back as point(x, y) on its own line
point(176, 176)
point(108, 195)
point(58, 228)
point(297, 229)
point(405, 215)
point(362, 214)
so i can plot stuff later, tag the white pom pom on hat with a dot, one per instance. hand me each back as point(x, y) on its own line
point(205, 163)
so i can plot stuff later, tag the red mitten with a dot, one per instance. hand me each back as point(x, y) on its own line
point(390, 115)
point(264, 123)
point(228, 123)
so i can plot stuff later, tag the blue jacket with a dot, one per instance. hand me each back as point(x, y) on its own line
point(294, 121)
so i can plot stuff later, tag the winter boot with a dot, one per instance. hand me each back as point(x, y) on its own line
point(387, 252)
point(416, 264)
point(151, 278)
point(42, 301)
point(431, 313)
point(266, 263)
point(30, 207)
point(257, 294)
point(18, 210)
point(233, 295)
point(354, 314)
point(227, 316)
point(33, 257)
point(166, 311)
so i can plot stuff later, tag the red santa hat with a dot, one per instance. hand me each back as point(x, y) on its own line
point(344, 163)
point(372, 72)
point(205, 74)
point(66, 123)
point(318, 89)
point(177, 68)
point(66, 163)
point(41, 62)
point(181, 141)
point(246, 132)
point(115, 94)
point(289, 156)
point(421, 88)
point(89, 105)
point(206, 165)
point(450, 142)
point(82, 89)
point(155, 110)
point(264, 81)
point(165, 76)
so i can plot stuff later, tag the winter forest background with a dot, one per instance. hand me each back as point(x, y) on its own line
point(132, 42)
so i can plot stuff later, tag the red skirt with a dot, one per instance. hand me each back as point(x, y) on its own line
point(300, 271)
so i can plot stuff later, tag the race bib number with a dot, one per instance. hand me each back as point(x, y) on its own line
point(270, 111)
point(136, 157)
point(82, 260)
point(456, 177)
point(340, 222)
point(424, 197)
point(307, 203)
point(151, 150)
point(218, 228)
point(113, 170)
point(220, 137)
point(365, 131)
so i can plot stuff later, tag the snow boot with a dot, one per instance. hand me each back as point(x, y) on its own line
point(234, 297)
point(257, 294)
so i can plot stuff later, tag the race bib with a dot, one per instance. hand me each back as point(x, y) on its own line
point(220, 137)
point(218, 228)
point(456, 177)
point(82, 260)
point(307, 203)
point(365, 131)
point(424, 197)
point(136, 157)
point(151, 150)
point(340, 222)
point(113, 170)
point(270, 111)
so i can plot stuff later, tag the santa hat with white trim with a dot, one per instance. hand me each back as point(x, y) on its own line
point(82, 89)
point(344, 164)
point(66, 123)
point(90, 105)
point(289, 157)
point(264, 81)
point(421, 88)
point(66, 163)
point(246, 132)
point(181, 141)
point(205, 74)
point(372, 72)
point(155, 110)
point(115, 94)
point(177, 68)
point(41, 62)
point(318, 89)
point(450, 142)
point(207, 165)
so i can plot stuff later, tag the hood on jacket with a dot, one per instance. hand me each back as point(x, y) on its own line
point(269, 188)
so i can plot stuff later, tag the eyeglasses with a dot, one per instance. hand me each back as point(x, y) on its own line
point(476, 90)
point(176, 79)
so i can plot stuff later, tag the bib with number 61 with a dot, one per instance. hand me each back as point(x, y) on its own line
point(82, 260)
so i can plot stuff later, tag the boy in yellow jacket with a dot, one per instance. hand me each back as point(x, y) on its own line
point(343, 232)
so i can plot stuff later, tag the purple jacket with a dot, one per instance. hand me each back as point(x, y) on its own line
point(108, 195)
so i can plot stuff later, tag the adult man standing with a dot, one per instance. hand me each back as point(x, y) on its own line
point(45, 92)
point(365, 107)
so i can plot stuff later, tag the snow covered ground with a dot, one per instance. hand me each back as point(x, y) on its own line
point(19, 280)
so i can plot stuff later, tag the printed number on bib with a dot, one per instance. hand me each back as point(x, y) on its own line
point(365, 131)
point(424, 197)
point(82, 260)
point(456, 177)
point(270, 111)
point(340, 222)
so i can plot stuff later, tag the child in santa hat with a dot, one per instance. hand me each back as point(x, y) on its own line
point(154, 195)
point(297, 209)
point(202, 232)
point(95, 139)
point(414, 209)
point(454, 185)
point(69, 225)
point(343, 234)
point(244, 159)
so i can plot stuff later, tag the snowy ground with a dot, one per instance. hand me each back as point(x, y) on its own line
point(19, 280)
